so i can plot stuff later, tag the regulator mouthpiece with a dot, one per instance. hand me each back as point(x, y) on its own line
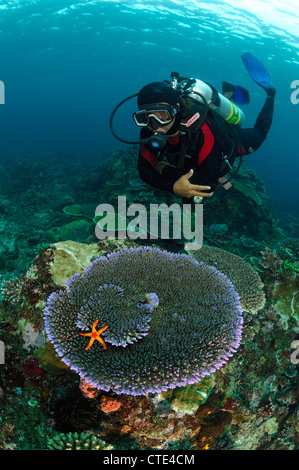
point(158, 140)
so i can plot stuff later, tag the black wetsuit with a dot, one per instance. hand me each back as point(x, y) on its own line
point(206, 151)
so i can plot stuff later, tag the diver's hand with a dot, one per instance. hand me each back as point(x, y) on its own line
point(183, 187)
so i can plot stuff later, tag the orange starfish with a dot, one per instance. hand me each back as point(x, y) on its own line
point(95, 335)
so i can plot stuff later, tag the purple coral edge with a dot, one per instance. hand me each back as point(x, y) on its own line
point(150, 389)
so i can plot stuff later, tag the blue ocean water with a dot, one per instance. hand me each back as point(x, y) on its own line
point(65, 65)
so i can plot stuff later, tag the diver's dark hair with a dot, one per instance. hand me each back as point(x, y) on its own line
point(157, 92)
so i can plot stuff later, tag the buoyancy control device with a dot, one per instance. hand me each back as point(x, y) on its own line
point(206, 94)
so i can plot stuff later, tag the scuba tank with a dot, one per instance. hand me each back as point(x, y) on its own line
point(205, 95)
point(201, 92)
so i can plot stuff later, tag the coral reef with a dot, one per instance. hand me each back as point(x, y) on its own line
point(217, 235)
point(109, 404)
point(49, 360)
point(83, 210)
point(244, 208)
point(245, 279)
point(75, 441)
point(291, 246)
point(88, 391)
point(70, 257)
point(212, 428)
point(27, 294)
point(286, 298)
point(158, 347)
point(246, 182)
point(270, 260)
point(250, 403)
point(186, 400)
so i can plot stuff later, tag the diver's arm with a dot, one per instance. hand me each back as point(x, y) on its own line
point(178, 180)
point(206, 175)
point(174, 180)
point(149, 175)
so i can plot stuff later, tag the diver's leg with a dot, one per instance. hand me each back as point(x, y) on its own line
point(252, 139)
point(264, 120)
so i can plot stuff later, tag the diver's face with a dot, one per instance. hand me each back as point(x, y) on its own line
point(161, 128)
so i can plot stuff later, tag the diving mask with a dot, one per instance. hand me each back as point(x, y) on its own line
point(155, 116)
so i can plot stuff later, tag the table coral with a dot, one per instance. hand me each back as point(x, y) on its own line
point(245, 279)
point(247, 183)
point(194, 328)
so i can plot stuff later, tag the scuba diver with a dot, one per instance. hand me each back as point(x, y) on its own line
point(191, 134)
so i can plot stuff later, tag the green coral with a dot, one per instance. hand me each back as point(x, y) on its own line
point(79, 230)
point(75, 210)
point(81, 210)
point(293, 267)
point(247, 183)
point(286, 298)
point(245, 279)
point(75, 441)
point(187, 399)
